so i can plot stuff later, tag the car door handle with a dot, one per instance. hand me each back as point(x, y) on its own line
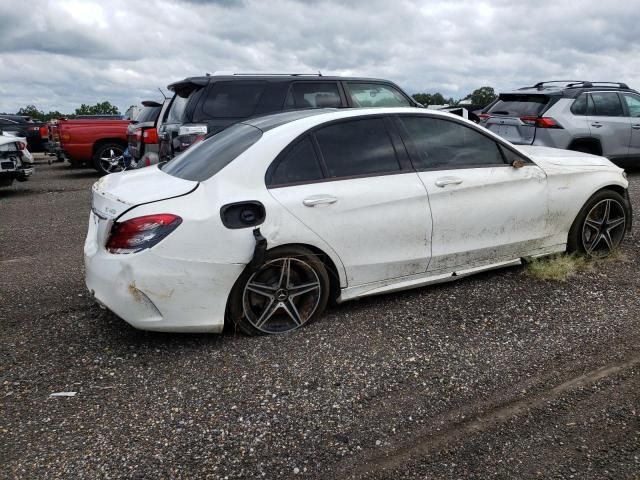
point(596, 125)
point(636, 126)
point(444, 181)
point(319, 200)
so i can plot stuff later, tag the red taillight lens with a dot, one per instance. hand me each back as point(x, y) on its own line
point(44, 132)
point(140, 233)
point(540, 122)
point(150, 135)
point(484, 116)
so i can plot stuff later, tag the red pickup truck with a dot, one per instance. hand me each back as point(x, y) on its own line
point(100, 143)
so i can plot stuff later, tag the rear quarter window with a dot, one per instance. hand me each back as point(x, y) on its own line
point(519, 105)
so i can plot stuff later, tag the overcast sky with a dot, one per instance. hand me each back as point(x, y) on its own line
point(58, 54)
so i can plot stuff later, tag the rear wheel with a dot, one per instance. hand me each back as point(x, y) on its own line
point(600, 226)
point(109, 158)
point(288, 291)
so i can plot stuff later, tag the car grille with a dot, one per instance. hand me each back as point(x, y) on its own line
point(7, 165)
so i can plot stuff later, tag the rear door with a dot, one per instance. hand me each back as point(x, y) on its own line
point(632, 101)
point(609, 124)
point(484, 210)
point(513, 117)
point(350, 182)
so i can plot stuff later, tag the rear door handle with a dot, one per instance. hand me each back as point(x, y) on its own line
point(444, 181)
point(319, 200)
point(596, 125)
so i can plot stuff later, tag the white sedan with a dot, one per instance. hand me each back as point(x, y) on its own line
point(265, 222)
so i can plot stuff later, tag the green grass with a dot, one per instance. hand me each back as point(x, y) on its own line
point(557, 267)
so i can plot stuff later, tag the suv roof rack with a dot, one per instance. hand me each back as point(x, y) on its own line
point(266, 74)
point(578, 84)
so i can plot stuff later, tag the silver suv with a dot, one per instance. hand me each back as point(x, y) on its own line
point(602, 118)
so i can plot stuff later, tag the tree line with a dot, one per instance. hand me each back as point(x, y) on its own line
point(481, 96)
point(101, 108)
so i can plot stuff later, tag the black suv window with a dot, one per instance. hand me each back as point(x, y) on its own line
point(176, 110)
point(445, 144)
point(313, 95)
point(606, 104)
point(299, 164)
point(148, 114)
point(232, 99)
point(357, 147)
point(375, 95)
point(205, 159)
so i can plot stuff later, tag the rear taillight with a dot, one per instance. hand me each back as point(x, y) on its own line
point(44, 132)
point(484, 116)
point(540, 122)
point(140, 233)
point(150, 135)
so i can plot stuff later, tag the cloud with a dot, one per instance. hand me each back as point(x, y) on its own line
point(59, 54)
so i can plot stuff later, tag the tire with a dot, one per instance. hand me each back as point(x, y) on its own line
point(288, 291)
point(600, 226)
point(109, 158)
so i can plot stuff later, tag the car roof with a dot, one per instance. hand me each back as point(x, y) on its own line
point(321, 115)
point(204, 80)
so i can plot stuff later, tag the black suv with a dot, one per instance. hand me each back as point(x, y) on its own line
point(203, 106)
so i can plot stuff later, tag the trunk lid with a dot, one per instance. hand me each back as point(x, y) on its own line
point(116, 193)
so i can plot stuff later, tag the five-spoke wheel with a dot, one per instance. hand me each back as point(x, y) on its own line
point(288, 291)
point(600, 226)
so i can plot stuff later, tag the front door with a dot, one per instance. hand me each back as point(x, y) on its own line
point(633, 108)
point(346, 183)
point(484, 210)
point(609, 124)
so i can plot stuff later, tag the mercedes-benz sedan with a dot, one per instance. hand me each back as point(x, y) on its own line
point(265, 222)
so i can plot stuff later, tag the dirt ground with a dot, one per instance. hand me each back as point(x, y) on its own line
point(495, 376)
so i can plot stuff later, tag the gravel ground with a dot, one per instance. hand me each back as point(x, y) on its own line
point(495, 376)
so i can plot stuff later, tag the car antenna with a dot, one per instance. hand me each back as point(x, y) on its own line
point(162, 93)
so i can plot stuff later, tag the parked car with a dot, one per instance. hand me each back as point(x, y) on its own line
point(206, 105)
point(16, 162)
point(144, 144)
point(601, 118)
point(100, 143)
point(266, 221)
point(34, 132)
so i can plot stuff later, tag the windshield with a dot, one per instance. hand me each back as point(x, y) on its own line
point(204, 159)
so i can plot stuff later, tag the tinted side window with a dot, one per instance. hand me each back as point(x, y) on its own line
point(607, 104)
point(579, 106)
point(357, 147)
point(300, 164)
point(313, 95)
point(633, 104)
point(375, 95)
point(446, 144)
point(232, 99)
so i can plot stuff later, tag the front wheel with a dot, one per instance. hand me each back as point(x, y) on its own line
point(600, 226)
point(288, 291)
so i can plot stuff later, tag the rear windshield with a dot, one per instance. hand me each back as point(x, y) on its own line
point(179, 105)
point(148, 114)
point(203, 160)
point(519, 105)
